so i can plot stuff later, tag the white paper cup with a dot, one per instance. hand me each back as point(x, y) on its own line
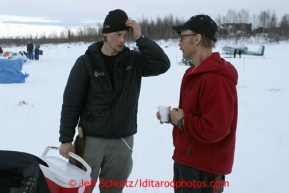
point(165, 113)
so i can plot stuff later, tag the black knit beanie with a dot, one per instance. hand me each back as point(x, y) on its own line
point(115, 21)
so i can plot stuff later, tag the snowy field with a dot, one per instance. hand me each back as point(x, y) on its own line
point(30, 115)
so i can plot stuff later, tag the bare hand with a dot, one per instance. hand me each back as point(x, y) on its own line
point(159, 118)
point(176, 115)
point(135, 28)
point(65, 148)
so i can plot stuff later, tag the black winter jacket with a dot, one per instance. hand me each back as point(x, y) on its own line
point(30, 48)
point(102, 108)
point(20, 172)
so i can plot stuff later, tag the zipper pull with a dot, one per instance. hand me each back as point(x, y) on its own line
point(189, 150)
point(113, 97)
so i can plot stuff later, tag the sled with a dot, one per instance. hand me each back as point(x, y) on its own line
point(64, 177)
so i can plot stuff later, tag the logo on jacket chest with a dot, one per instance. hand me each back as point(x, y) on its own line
point(96, 74)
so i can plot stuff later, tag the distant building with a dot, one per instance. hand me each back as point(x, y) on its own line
point(235, 28)
point(272, 30)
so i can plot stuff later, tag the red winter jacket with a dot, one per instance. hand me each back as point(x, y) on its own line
point(208, 97)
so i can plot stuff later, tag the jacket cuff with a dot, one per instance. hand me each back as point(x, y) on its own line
point(140, 39)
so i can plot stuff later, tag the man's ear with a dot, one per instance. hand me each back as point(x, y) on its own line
point(198, 39)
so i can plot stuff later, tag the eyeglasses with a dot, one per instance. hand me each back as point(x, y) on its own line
point(185, 35)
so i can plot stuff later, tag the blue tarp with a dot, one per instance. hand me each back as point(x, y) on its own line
point(10, 70)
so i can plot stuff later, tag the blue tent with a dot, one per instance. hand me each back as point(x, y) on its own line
point(10, 70)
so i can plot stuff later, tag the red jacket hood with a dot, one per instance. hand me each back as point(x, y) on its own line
point(216, 64)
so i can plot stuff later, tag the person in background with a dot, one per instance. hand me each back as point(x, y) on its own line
point(37, 46)
point(235, 52)
point(102, 94)
point(240, 53)
point(1, 50)
point(204, 124)
point(30, 48)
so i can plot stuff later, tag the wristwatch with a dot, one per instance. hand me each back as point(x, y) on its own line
point(180, 123)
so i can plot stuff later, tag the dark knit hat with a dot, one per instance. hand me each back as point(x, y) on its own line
point(202, 24)
point(115, 21)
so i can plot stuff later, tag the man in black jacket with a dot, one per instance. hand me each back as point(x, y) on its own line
point(101, 96)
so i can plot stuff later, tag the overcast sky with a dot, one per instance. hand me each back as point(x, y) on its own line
point(89, 12)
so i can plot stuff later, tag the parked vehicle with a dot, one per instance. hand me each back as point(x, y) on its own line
point(186, 62)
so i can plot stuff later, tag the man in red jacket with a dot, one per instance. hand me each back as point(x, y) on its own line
point(205, 123)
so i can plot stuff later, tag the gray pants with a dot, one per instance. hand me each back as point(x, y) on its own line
point(110, 160)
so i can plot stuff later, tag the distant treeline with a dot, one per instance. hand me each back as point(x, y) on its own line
point(235, 24)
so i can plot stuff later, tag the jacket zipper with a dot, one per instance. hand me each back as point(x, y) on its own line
point(189, 148)
point(113, 116)
point(115, 74)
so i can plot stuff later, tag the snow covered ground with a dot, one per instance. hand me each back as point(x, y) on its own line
point(30, 115)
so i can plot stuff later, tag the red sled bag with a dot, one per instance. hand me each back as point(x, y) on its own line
point(64, 177)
